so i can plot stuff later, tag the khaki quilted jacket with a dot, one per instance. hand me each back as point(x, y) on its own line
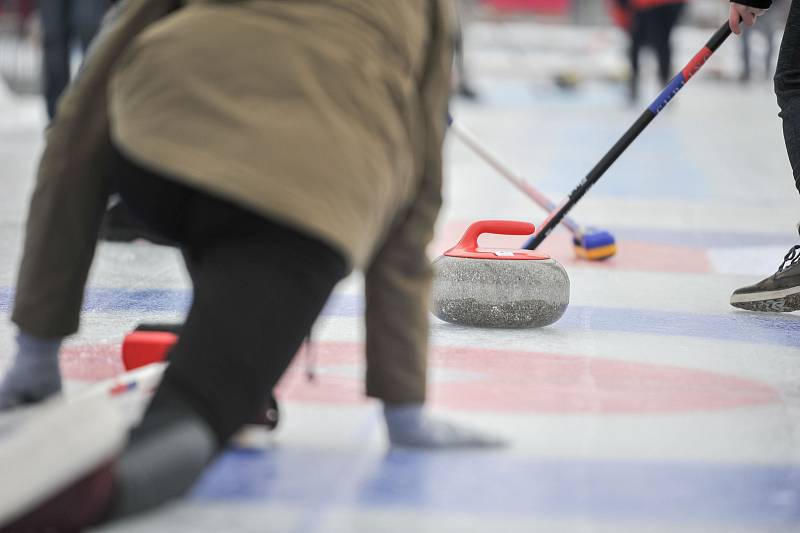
point(326, 115)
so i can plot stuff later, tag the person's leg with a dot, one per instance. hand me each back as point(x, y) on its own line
point(464, 88)
point(259, 287)
point(769, 54)
point(87, 16)
point(663, 22)
point(745, 74)
point(163, 208)
point(781, 291)
point(769, 25)
point(637, 35)
point(55, 49)
point(787, 88)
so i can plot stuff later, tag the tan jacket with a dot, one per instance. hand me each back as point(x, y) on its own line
point(327, 115)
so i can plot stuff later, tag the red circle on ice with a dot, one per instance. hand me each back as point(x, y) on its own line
point(497, 380)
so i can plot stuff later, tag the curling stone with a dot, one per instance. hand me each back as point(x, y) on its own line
point(498, 288)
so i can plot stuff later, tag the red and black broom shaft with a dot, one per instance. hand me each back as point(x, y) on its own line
point(629, 136)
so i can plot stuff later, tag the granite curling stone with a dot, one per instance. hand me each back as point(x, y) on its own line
point(498, 288)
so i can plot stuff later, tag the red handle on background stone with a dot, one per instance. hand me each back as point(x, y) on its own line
point(469, 242)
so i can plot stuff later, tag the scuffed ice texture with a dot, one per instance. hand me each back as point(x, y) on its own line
point(494, 293)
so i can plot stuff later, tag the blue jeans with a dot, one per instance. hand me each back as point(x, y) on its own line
point(64, 21)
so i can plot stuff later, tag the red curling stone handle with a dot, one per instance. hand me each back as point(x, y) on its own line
point(469, 242)
point(142, 348)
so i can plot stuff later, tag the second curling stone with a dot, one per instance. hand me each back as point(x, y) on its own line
point(498, 288)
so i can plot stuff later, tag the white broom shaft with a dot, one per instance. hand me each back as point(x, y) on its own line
point(468, 139)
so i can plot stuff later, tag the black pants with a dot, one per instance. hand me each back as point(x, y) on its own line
point(258, 288)
point(653, 27)
point(787, 88)
point(63, 21)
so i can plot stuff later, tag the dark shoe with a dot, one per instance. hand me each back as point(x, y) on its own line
point(777, 293)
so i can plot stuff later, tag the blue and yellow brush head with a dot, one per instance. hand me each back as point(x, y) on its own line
point(594, 244)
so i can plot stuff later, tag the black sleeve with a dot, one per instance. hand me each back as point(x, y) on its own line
point(761, 4)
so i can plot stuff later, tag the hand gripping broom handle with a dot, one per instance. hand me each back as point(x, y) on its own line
point(629, 136)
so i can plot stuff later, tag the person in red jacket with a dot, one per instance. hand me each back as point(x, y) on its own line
point(649, 23)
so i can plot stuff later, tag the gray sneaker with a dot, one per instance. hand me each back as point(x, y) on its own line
point(778, 293)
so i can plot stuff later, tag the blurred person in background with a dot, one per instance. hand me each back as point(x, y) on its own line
point(768, 24)
point(23, 10)
point(63, 23)
point(464, 88)
point(649, 23)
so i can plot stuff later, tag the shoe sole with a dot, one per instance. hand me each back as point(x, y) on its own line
point(52, 446)
point(782, 301)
